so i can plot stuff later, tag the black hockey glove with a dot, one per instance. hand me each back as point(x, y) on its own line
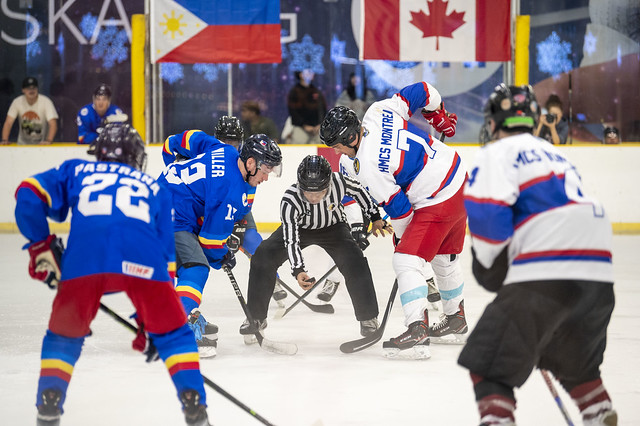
point(396, 240)
point(359, 233)
point(236, 239)
point(229, 260)
point(45, 260)
point(491, 278)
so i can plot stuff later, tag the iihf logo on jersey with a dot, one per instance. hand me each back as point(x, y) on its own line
point(136, 270)
point(356, 166)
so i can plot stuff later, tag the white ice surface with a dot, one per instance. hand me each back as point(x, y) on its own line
point(112, 385)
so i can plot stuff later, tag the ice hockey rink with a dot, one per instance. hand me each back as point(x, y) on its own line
point(112, 385)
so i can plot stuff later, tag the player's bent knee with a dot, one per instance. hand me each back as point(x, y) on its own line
point(403, 263)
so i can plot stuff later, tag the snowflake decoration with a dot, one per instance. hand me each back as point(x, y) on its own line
point(88, 25)
point(553, 55)
point(111, 47)
point(306, 55)
point(590, 42)
point(171, 72)
point(337, 50)
point(209, 71)
point(33, 49)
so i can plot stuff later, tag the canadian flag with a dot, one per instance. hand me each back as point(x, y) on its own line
point(436, 30)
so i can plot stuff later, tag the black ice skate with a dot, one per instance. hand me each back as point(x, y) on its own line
point(433, 296)
point(450, 329)
point(416, 337)
point(278, 293)
point(328, 290)
point(195, 413)
point(49, 411)
point(368, 327)
point(249, 331)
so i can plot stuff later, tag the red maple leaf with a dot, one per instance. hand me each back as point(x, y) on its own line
point(437, 23)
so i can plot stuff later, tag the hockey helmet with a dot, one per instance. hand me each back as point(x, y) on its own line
point(340, 125)
point(512, 107)
point(314, 174)
point(229, 129)
point(102, 90)
point(121, 143)
point(264, 150)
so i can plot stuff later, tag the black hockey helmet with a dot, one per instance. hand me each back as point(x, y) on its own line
point(121, 143)
point(264, 150)
point(314, 174)
point(102, 90)
point(340, 125)
point(512, 108)
point(229, 128)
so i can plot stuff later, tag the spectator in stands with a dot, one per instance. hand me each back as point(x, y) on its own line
point(611, 136)
point(307, 108)
point(94, 115)
point(37, 117)
point(552, 126)
point(356, 96)
point(254, 123)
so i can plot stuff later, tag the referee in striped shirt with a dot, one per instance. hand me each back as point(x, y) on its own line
point(312, 214)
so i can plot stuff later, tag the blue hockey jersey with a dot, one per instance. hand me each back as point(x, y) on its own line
point(120, 218)
point(88, 122)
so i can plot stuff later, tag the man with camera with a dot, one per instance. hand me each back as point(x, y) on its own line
point(553, 126)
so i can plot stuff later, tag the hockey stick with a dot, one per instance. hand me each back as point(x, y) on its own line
point(365, 342)
point(104, 308)
point(306, 293)
point(266, 344)
point(556, 397)
point(324, 308)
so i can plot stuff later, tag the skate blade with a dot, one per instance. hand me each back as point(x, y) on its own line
point(450, 339)
point(417, 352)
point(250, 339)
point(212, 336)
point(207, 351)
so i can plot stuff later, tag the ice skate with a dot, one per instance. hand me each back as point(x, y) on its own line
point(368, 327)
point(328, 290)
point(249, 331)
point(206, 334)
point(451, 329)
point(607, 418)
point(416, 337)
point(195, 414)
point(278, 293)
point(49, 411)
point(433, 296)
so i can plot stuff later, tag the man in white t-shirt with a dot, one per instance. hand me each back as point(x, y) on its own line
point(37, 117)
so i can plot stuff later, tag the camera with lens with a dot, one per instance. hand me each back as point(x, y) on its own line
point(551, 118)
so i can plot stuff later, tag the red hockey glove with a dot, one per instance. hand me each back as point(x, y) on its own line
point(46, 257)
point(442, 121)
point(143, 343)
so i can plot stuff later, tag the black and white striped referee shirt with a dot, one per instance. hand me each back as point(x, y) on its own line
point(297, 213)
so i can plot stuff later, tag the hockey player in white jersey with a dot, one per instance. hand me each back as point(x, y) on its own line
point(418, 180)
point(545, 247)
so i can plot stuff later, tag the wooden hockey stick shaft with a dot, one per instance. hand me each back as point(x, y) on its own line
point(104, 308)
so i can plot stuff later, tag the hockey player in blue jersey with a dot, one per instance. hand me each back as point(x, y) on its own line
point(94, 115)
point(211, 192)
point(419, 182)
point(120, 240)
point(544, 246)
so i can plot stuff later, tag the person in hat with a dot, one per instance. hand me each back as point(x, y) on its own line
point(37, 117)
point(611, 136)
point(95, 115)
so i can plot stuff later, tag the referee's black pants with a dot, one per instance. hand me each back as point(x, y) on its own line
point(337, 241)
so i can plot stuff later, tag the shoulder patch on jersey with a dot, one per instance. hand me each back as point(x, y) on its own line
point(356, 166)
point(84, 111)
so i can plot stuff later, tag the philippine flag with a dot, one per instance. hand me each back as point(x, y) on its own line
point(436, 30)
point(212, 31)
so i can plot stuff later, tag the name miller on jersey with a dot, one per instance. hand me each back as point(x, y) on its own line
point(120, 169)
point(217, 162)
point(385, 139)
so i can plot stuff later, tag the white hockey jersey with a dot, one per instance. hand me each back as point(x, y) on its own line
point(400, 164)
point(523, 192)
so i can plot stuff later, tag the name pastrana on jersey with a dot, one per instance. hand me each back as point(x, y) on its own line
point(401, 166)
point(523, 192)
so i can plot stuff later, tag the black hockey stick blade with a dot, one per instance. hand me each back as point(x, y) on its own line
point(323, 308)
point(365, 342)
point(281, 348)
point(306, 293)
point(104, 308)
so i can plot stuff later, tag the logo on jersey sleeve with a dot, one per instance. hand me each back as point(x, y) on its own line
point(356, 166)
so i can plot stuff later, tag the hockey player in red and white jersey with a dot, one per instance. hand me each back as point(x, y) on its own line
point(418, 181)
point(545, 247)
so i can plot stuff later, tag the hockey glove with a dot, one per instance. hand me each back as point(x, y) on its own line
point(442, 121)
point(45, 260)
point(359, 234)
point(229, 260)
point(236, 239)
point(143, 343)
point(396, 240)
